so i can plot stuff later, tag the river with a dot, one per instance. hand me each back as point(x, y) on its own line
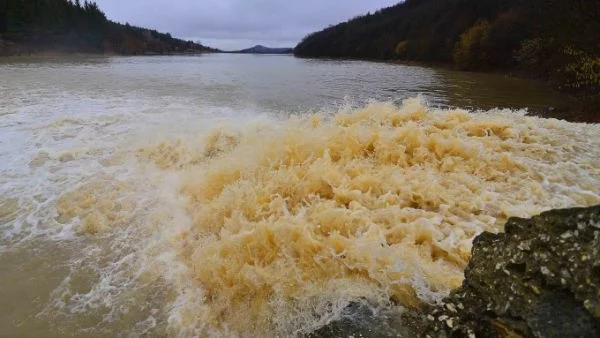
point(242, 195)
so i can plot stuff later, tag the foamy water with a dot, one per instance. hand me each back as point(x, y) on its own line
point(186, 196)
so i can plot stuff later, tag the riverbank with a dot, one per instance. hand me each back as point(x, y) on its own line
point(11, 49)
point(62, 53)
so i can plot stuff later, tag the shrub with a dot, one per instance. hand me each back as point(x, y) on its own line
point(471, 51)
point(582, 71)
point(400, 49)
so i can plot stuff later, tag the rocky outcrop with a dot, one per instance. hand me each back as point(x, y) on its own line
point(359, 320)
point(540, 278)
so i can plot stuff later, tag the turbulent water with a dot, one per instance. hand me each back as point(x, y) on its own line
point(231, 195)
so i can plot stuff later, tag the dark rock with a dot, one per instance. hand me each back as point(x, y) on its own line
point(541, 278)
point(360, 320)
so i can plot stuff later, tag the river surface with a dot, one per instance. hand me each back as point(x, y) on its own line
point(240, 195)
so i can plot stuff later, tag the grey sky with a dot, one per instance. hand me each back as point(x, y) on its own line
point(235, 24)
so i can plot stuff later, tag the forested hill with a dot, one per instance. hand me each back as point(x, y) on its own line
point(557, 40)
point(29, 26)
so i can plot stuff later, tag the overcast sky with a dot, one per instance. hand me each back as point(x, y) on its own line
point(237, 24)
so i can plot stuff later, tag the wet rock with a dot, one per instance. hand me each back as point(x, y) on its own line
point(360, 320)
point(541, 278)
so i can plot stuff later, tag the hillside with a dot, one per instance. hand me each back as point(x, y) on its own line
point(59, 25)
point(555, 40)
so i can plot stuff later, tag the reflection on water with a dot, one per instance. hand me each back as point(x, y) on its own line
point(193, 195)
point(277, 83)
point(487, 91)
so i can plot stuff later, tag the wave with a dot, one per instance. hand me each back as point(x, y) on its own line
point(275, 227)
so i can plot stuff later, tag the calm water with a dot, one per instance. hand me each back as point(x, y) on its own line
point(122, 180)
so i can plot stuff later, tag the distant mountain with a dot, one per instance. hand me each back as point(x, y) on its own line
point(259, 49)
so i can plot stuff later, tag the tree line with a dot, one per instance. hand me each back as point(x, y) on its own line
point(554, 40)
point(29, 26)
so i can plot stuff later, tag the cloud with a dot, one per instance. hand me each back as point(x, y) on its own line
point(233, 24)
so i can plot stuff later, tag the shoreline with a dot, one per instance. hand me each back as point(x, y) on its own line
point(58, 53)
point(10, 49)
